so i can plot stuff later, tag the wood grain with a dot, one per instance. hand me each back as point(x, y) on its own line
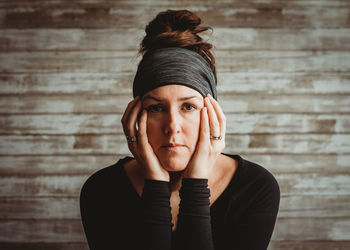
point(87, 164)
point(66, 71)
point(64, 14)
point(240, 123)
point(241, 144)
point(228, 83)
point(307, 184)
point(291, 206)
point(274, 245)
point(223, 38)
point(126, 61)
point(230, 103)
point(61, 231)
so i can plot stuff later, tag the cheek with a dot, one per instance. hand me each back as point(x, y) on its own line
point(192, 130)
point(153, 130)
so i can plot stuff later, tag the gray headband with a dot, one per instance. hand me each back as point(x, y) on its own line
point(174, 66)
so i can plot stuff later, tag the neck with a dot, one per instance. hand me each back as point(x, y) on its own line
point(175, 180)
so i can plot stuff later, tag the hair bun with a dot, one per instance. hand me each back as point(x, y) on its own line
point(177, 28)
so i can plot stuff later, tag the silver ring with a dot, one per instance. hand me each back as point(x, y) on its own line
point(216, 137)
point(131, 138)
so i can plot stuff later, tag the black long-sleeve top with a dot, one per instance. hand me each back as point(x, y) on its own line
point(243, 217)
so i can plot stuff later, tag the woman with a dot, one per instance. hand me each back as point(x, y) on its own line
point(179, 191)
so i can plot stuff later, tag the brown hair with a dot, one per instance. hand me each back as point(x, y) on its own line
point(177, 28)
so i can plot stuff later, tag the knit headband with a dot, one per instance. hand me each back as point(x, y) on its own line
point(174, 66)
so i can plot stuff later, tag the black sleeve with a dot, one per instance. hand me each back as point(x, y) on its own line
point(156, 215)
point(194, 227)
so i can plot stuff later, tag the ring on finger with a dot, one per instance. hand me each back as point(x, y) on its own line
point(216, 137)
point(131, 139)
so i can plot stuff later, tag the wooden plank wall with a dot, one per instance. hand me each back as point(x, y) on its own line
point(66, 69)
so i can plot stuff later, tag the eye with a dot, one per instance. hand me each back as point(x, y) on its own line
point(189, 107)
point(155, 108)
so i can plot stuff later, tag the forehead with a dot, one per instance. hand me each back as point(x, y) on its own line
point(173, 91)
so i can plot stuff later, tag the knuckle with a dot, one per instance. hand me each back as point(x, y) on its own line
point(216, 124)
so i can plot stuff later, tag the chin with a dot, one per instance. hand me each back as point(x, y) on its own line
point(174, 164)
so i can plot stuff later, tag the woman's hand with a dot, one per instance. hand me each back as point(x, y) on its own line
point(213, 124)
point(140, 148)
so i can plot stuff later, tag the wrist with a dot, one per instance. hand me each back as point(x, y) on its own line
point(195, 174)
point(157, 176)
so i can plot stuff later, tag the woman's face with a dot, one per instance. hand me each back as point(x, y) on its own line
point(173, 120)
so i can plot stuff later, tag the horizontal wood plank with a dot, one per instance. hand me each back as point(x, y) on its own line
point(274, 245)
point(310, 184)
point(87, 164)
point(68, 124)
point(42, 208)
point(56, 165)
point(230, 103)
point(44, 246)
point(312, 229)
point(309, 245)
point(52, 14)
point(331, 229)
point(42, 231)
point(222, 38)
point(42, 186)
point(116, 144)
point(126, 61)
point(39, 208)
point(228, 83)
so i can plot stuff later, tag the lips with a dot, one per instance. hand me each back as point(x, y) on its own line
point(172, 146)
point(168, 145)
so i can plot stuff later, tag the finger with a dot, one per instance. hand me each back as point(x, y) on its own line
point(142, 131)
point(132, 119)
point(129, 108)
point(219, 114)
point(126, 116)
point(213, 120)
point(204, 126)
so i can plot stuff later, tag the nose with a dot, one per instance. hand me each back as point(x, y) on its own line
point(173, 122)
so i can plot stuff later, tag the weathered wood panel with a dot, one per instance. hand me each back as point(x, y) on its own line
point(298, 206)
point(312, 229)
point(309, 245)
point(41, 186)
point(64, 14)
point(230, 103)
point(67, 124)
point(44, 246)
point(126, 61)
point(61, 231)
point(65, 78)
point(37, 208)
point(223, 38)
point(228, 83)
point(116, 144)
point(70, 165)
point(274, 245)
point(87, 164)
point(310, 184)
point(64, 231)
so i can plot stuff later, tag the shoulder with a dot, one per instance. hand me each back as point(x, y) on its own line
point(104, 179)
point(256, 182)
point(267, 191)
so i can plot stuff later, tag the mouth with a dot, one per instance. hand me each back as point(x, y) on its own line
point(172, 146)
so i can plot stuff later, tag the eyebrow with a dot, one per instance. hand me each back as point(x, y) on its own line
point(180, 99)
